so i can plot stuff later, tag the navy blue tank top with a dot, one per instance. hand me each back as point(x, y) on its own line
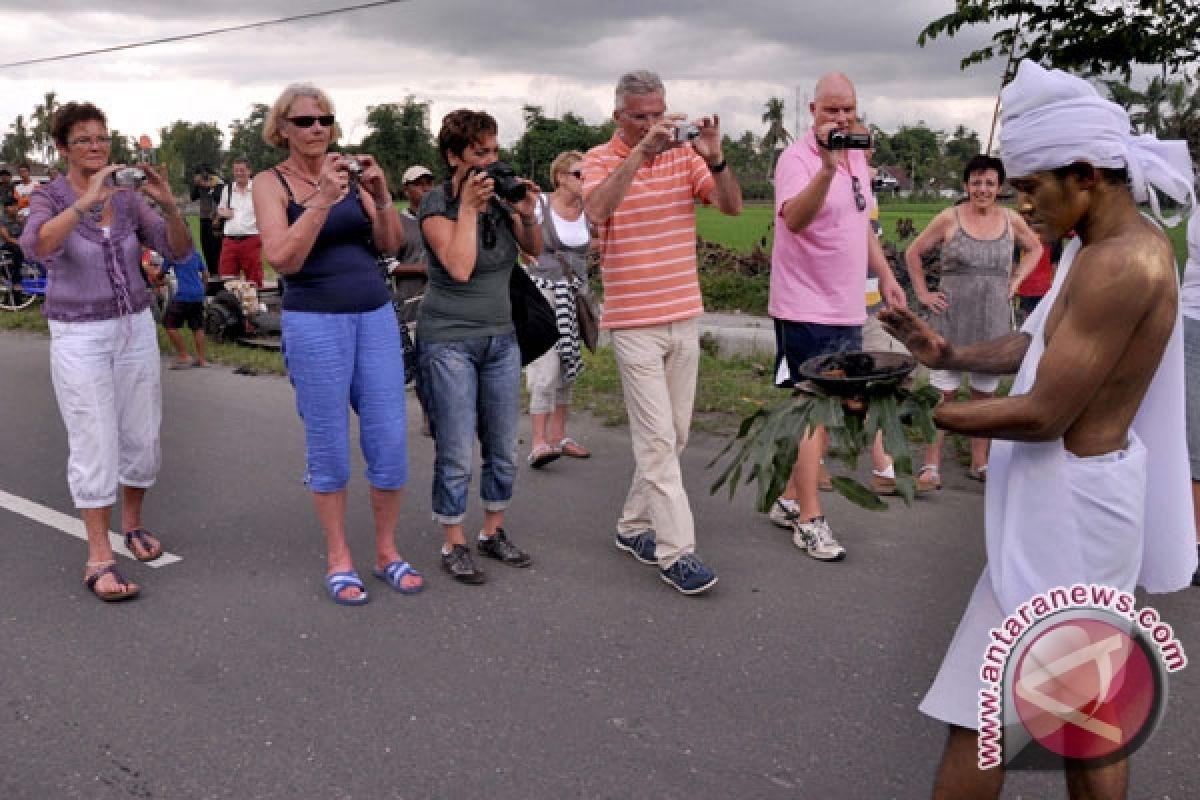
point(340, 275)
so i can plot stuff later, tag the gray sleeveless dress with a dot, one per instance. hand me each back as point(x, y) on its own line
point(975, 276)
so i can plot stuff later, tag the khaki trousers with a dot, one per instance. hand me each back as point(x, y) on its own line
point(658, 367)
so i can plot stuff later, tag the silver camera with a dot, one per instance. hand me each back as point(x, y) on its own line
point(685, 132)
point(354, 167)
point(129, 176)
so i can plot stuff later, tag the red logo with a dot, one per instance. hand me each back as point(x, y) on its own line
point(1085, 689)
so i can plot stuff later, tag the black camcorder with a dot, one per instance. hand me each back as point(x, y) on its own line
point(841, 140)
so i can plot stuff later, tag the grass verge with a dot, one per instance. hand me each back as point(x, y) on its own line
point(226, 353)
point(727, 389)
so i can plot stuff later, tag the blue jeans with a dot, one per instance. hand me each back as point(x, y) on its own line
point(472, 386)
point(342, 361)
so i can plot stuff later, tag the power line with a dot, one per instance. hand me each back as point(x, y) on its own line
point(200, 34)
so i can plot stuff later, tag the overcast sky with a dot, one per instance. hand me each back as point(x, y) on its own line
point(723, 57)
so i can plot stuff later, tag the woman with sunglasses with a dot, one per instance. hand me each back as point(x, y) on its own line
point(561, 272)
point(974, 298)
point(467, 348)
point(88, 229)
point(322, 216)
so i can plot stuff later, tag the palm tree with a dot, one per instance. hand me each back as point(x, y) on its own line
point(776, 137)
point(43, 121)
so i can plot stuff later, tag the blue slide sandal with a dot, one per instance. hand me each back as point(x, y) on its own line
point(336, 582)
point(394, 573)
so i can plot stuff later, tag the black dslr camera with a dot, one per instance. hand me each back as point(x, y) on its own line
point(508, 186)
point(841, 140)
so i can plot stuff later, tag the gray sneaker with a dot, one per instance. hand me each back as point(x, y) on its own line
point(815, 538)
point(784, 516)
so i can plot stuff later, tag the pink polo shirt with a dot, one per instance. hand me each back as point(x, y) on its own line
point(817, 275)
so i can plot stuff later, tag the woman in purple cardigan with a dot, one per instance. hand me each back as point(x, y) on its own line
point(88, 231)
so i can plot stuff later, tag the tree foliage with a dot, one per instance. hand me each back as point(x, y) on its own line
point(399, 138)
point(43, 121)
point(545, 137)
point(246, 140)
point(1089, 36)
point(17, 142)
point(777, 136)
point(187, 145)
point(123, 149)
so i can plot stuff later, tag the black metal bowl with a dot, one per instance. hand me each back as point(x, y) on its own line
point(862, 372)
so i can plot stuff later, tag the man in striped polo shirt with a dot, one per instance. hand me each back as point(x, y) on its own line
point(640, 190)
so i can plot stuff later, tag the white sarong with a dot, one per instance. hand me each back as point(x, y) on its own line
point(1121, 519)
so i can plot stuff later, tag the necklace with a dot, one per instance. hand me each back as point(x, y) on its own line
point(295, 172)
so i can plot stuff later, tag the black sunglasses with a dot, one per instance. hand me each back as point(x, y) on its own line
point(308, 120)
point(860, 202)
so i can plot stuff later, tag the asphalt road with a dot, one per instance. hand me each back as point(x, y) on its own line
point(234, 676)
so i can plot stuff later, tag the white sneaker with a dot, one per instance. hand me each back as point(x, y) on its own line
point(815, 538)
point(784, 513)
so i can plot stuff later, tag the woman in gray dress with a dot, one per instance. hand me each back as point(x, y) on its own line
point(973, 302)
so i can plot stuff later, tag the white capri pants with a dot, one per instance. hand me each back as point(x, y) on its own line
point(107, 381)
point(544, 378)
point(950, 379)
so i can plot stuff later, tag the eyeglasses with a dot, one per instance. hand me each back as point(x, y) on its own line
point(90, 141)
point(654, 116)
point(308, 120)
point(860, 202)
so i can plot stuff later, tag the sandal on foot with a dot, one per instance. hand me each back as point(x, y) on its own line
point(978, 473)
point(142, 537)
point(572, 448)
point(338, 582)
point(394, 573)
point(126, 591)
point(542, 455)
point(929, 478)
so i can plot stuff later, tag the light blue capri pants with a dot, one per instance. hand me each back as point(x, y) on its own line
point(342, 361)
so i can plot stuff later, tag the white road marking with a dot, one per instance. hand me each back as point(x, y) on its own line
point(73, 526)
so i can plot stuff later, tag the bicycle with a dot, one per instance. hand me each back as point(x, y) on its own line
point(21, 288)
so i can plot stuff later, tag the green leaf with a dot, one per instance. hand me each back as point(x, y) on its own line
point(858, 494)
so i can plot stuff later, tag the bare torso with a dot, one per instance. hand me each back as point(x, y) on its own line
point(1150, 298)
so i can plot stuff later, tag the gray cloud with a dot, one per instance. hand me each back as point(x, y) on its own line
point(724, 56)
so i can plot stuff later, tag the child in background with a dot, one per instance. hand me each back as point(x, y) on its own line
point(187, 307)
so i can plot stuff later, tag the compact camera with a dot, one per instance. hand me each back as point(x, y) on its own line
point(507, 185)
point(129, 176)
point(354, 167)
point(685, 132)
point(840, 140)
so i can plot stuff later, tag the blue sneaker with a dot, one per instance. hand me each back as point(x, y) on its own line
point(689, 574)
point(640, 546)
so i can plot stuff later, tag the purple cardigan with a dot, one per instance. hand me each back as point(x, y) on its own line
point(94, 275)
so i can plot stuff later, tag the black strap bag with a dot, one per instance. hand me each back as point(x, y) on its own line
point(532, 316)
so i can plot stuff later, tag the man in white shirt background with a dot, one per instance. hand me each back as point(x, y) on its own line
point(241, 253)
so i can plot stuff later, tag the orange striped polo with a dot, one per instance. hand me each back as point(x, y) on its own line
point(648, 245)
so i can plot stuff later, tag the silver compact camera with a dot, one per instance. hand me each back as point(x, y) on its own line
point(354, 168)
point(685, 132)
point(129, 176)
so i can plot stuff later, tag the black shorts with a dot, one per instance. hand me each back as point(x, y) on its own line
point(184, 312)
point(797, 342)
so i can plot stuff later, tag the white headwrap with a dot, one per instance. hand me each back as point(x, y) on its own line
point(1051, 119)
